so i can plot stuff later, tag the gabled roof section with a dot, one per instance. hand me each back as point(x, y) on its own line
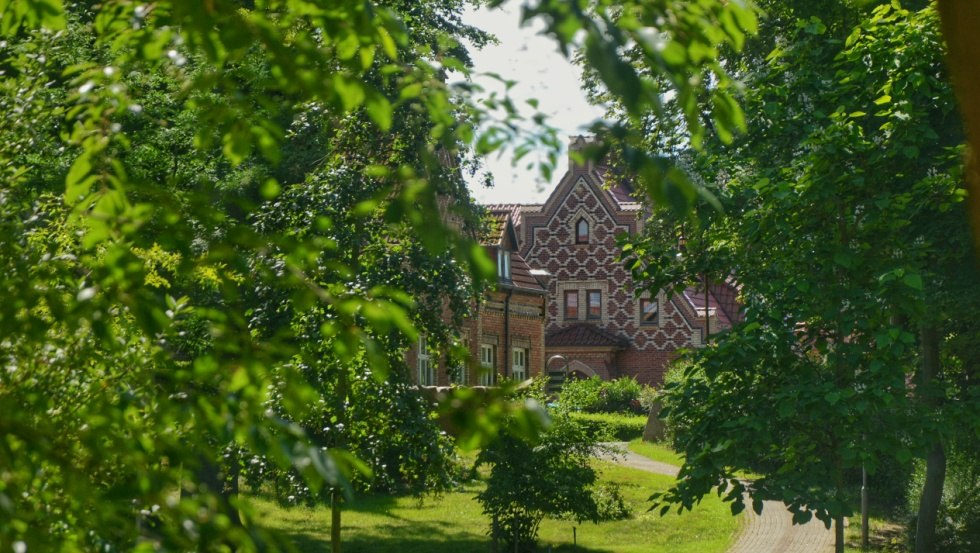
point(615, 196)
point(584, 335)
point(501, 234)
point(722, 301)
point(620, 189)
point(520, 275)
point(500, 228)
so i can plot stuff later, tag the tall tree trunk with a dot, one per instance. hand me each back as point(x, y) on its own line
point(960, 21)
point(335, 499)
point(839, 534)
point(932, 489)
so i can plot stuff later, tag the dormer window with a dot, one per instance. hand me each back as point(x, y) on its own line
point(582, 232)
point(503, 264)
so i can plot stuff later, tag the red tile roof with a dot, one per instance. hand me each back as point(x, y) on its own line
point(584, 335)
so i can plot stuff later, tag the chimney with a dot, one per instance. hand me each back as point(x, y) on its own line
point(580, 144)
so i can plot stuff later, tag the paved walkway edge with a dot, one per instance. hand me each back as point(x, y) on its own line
point(771, 532)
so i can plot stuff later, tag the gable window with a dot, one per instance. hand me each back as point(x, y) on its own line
point(488, 364)
point(595, 304)
point(519, 367)
point(571, 304)
point(503, 264)
point(649, 311)
point(582, 232)
point(427, 373)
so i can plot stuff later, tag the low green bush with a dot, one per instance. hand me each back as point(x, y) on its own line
point(581, 394)
point(594, 395)
point(611, 427)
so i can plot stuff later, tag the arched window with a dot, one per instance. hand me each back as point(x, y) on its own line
point(582, 232)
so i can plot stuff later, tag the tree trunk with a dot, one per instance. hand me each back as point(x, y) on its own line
point(839, 534)
point(334, 521)
point(932, 489)
point(960, 20)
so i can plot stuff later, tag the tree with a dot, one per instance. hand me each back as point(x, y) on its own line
point(531, 480)
point(141, 144)
point(843, 225)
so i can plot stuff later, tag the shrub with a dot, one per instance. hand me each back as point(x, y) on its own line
point(581, 394)
point(610, 504)
point(530, 481)
point(594, 395)
point(611, 427)
point(648, 396)
point(536, 389)
point(670, 395)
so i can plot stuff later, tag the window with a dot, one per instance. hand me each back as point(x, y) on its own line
point(459, 374)
point(649, 311)
point(571, 304)
point(427, 373)
point(487, 364)
point(582, 232)
point(503, 264)
point(519, 367)
point(595, 304)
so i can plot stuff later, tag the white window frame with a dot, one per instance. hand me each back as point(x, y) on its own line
point(503, 263)
point(487, 364)
point(427, 373)
point(519, 366)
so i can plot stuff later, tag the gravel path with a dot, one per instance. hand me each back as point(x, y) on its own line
point(771, 532)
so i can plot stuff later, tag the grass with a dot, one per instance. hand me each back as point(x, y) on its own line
point(885, 534)
point(664, 454)
point(656, 452)
point(454, 523)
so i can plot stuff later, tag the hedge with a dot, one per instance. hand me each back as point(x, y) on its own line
point(611, 427)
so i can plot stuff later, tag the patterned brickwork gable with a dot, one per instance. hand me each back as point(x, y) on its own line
point(548, 241)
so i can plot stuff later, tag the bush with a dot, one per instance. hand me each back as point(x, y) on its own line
point(529, 481)
point(610, 504)
point(581, 394)
point(594, 395)
point(611, 427)
point(536, 388)
point(671, 395)
point(648, 396)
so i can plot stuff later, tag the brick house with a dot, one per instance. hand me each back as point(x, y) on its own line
point(505, 336)
point(593, 319)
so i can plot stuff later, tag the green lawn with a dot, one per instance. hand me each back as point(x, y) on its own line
point(664, 454)
point(656, 451)
point(453, 523)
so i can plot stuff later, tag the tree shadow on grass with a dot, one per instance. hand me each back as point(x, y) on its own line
point(417, 537)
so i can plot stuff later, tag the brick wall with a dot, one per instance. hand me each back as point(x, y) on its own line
point(548, 241)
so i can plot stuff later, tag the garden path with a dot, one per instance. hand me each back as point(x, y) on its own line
point(771, 532)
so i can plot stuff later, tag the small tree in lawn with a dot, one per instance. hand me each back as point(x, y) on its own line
point(529, 481)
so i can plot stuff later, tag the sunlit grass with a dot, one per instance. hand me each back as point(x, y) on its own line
point(656, 452)
point(454, 523)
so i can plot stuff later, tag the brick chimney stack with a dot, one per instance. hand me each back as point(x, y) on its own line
point(579, 144)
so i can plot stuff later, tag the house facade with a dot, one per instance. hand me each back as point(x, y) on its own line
point(595, 322)
point(505, 335)
point(564, 304)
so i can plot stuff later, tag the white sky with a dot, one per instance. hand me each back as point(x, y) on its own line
point(541, 72)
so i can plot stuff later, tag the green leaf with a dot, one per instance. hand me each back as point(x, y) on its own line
point(78, 183)
point(914, 281)
point(379, 109)
point(350, 91)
